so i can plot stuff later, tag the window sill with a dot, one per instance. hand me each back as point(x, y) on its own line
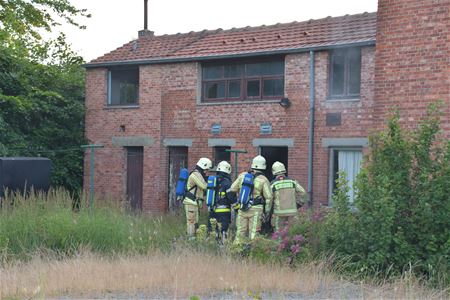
point(332, 100)
point(120, 107)
point(239, 102)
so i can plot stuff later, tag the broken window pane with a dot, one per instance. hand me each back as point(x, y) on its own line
point(215, 90)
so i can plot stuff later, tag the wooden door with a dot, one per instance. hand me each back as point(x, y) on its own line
point(135, 166)
point(178, 159)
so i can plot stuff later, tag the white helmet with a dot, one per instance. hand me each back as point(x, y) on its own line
point(278, 168)
point(204, 163)
point(224, 166)
point(259, 163)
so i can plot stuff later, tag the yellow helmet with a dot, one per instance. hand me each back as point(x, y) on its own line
point(224, 166)
point(204, 163)
point(278, 168)
point(259, 163)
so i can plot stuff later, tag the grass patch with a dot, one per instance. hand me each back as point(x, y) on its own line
point(38, 223)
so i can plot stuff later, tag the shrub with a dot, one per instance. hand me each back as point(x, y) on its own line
point(402, 205)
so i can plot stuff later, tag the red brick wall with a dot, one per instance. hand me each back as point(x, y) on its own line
point(169, 109)
point(412, 65)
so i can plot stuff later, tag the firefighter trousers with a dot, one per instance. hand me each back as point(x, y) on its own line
point(248, 223)
point(281, 221)
point(191, 218)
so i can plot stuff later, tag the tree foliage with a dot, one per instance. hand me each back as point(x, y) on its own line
point(41, 87)
point(22, 23)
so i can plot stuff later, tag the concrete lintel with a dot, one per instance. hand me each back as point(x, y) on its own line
point(345, 142)
point(274, 142)
point(132, 141)
point(221, 142)
point(174, 142)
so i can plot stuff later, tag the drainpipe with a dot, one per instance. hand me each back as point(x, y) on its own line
point(311, 126)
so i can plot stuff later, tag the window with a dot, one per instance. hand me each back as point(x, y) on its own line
point(220, 154)
point(345, 73)
point(349, 161)
point(254, 80)
point(123, 86)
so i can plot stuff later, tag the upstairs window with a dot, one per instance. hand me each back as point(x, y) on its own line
point(345, 73)
point(256, 80)
point(123, 86)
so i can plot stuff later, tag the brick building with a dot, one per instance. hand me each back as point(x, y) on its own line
point(160, 103)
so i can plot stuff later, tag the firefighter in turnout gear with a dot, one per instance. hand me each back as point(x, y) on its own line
point(285, 201)
point(249, 219)
point(195, 193)
point(224, 200)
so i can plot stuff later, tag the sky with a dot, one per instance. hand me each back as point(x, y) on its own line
point(116, 22)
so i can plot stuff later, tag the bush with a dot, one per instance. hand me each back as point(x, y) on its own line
point(402, 205)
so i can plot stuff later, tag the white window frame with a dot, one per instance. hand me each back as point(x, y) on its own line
point(331, 170)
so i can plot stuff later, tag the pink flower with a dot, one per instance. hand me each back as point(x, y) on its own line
point(275, 235)
point(298, 238)
point(295, 249)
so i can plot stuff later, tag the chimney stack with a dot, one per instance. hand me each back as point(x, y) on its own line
point(145, 32)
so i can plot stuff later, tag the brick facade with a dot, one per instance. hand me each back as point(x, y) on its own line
point(412, 59)
point(409, 68)
point(169, 108)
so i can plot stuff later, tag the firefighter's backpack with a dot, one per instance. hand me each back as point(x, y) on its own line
point(181, 183)
point(211, 191)
point(245, 194)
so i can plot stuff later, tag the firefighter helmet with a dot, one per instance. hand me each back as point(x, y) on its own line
point(204, 163)
point(278, 168)
point(259, 163)
point(224, 166)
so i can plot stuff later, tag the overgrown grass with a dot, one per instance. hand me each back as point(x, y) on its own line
point(38, 223)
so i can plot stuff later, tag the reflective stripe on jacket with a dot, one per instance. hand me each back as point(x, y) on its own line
point(285, 191)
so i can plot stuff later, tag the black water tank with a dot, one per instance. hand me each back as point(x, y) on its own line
point(22, 173)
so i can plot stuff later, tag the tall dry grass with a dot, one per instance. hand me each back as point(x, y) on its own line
point(184, 273)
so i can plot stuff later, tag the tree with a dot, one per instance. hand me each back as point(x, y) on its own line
point(22, 20)
point(41, 88)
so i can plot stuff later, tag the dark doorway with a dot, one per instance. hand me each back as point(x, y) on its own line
point(178, 159)
point(135, 166)
point(220, 154)
point(273, 154)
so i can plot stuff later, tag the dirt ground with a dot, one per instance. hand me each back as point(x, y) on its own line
point(187, 275)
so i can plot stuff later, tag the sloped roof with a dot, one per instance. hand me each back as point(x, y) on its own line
point(278, 38)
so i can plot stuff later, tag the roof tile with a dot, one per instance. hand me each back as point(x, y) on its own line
point(313, 33)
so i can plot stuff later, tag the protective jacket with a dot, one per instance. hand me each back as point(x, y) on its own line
point(285, 191)
point(224, 201)
point(196, 187)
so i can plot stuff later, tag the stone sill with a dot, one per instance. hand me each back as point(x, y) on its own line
point(120, 107)
point(238, 102)
point(332, 100)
